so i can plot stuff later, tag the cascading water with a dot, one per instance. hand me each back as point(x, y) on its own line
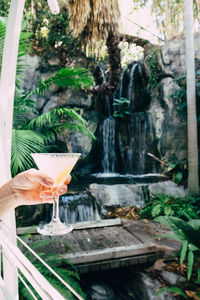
point(107, 130)
point(131, 82)
point(131, 138)
point(77, 208)
point(108, 135)
point(140, 138)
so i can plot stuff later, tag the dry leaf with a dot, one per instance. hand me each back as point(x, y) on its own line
point(159, 265)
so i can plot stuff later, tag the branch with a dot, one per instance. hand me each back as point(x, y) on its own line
point(135, 40)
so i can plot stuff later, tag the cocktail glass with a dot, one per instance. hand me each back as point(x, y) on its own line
point(58, 166)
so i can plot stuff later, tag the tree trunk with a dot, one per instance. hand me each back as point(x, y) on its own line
point(114, 60)
point(193, 177)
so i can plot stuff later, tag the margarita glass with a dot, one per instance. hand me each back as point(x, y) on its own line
point(58, 166)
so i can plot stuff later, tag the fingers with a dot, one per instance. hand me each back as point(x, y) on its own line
point(68, 179)
point(47, 194)
point(33, 175)
point(60, 190)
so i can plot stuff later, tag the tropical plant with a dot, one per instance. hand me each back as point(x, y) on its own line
point(121, 107)
point(34, 133)
point(176, 170)
point(38, 133)
point(153, 69)
point(179, 96)
point(188, 233)
point(24, 45)
point(166, 205)
point(60, 265)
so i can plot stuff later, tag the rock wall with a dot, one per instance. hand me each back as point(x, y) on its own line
point(170, 130)
point(166, 135)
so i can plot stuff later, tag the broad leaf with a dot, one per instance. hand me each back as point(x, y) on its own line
point(156, 210)
point(173, 289)
point(181, 228)
point(183, 251)
point(178, 177)
point(190, 264)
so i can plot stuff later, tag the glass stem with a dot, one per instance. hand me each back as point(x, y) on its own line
point(55, 216)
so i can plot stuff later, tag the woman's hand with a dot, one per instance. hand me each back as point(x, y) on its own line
point(29, 188)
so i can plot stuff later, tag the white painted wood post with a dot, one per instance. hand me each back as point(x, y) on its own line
point(193, 176)
point(7, 89)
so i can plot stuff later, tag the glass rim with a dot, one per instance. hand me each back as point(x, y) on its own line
point(57, 154)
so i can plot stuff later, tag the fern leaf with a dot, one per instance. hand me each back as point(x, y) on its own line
point(24, 142)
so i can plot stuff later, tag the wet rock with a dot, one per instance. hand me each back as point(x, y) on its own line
point(146, 287)
point(170, 130)
point(172, 278)
point(167, 188)
point(110, 196)
point(101, 291)
point(73, 97)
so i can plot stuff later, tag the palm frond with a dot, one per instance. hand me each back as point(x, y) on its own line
point(24, 44)
point(2, 38)
point(81, 129)
point(60, 118)
point(25, 142)
point(79, 78)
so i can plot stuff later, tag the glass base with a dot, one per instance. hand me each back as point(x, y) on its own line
point(54, 228)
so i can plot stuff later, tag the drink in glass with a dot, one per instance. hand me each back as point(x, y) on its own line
point(58, 166)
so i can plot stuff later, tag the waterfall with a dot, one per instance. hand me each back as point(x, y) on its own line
point(107, 130)
point(121, 83)
point(131, 82)
point(133, 151)
point(108, 136)
point(77, 208)
point(134, 136)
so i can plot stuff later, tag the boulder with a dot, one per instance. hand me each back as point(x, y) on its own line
point(80, 142)
point(74, 98)
point(108, 197)
point(170, 130)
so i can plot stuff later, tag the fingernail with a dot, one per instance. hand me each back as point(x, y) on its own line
point(49, 181)
point(62, 190)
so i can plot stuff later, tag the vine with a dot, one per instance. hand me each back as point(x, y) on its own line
point(152, 63)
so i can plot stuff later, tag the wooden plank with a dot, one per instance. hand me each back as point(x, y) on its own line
point(122, 262)
point(96, 223)
point(84, 239)
point(108, 237)
point(147, 231)
point(111, 253)
point(76, 226)
point(100, 239)
point(123, 236)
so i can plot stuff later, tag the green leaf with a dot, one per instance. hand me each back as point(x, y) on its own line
point(173, 289)
point(183, 251)
point(194, 223)
point(190, 264)
point(156, 210)
point(181, 228)
point(168, 210)
point(79, 78)
point(24, 142)
point(178, 177)
point(171, 236)
point(198, 274)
